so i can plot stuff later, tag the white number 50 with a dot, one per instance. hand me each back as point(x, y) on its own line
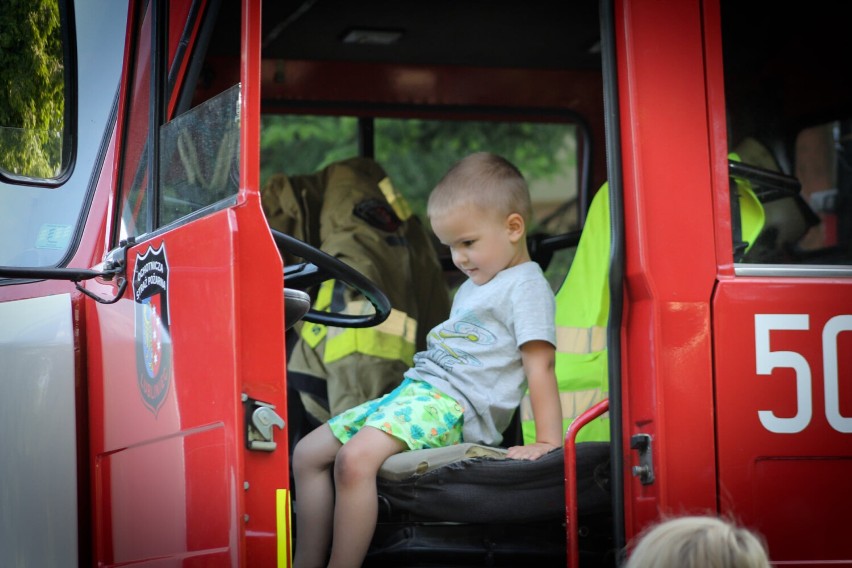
point(767, 360)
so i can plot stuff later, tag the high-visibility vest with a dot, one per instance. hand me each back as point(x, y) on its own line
point(351, 211)
point(582, 310)
point(748, 208)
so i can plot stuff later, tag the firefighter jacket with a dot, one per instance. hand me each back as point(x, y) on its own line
point(351, 211)
point(582, 311)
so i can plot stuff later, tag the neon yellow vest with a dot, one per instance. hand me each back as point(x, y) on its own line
point(752, 214)
point(582, 310)
point(392, 339)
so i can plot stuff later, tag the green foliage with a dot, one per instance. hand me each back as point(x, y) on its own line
point(296, 145)
point(32, 104)
point(414, 152)
point(417, 153)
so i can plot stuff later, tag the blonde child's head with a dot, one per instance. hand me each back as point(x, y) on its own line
point(698, 542)
point(480, 211)
point(484, 181)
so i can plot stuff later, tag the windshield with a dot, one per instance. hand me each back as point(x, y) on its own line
point(40, 223)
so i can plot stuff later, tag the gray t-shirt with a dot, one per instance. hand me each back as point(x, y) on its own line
point(474, 356)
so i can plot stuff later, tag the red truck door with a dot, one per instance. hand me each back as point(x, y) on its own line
point(736, 369)
point(783, 356)
point(782, 312)
point(186, 368)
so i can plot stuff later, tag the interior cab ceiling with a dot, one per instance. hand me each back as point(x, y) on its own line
point(478, 33)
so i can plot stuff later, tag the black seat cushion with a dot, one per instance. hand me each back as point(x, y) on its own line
point(497, 490)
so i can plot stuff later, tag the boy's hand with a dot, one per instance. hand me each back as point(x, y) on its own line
point(529, 452)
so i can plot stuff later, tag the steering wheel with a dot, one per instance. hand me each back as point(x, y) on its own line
point(318, 268)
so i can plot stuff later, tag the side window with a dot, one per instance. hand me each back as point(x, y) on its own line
point(191, 161)
point(199, 157)
point(417, 152)
point(788, 102)
point(35, 130)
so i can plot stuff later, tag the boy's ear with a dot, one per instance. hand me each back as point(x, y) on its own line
point(516, 227)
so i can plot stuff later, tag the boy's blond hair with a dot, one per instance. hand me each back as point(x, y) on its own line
point(698, 542)
point(484, 181)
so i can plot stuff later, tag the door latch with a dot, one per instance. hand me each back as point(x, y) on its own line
point(645, 470)
point(261, 419)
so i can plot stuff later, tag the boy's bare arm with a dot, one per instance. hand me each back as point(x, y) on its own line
point(538, 358)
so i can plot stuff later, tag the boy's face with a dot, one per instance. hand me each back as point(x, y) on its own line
point(482, 243)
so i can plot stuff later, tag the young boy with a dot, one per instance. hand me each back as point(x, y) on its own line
point(499, 339)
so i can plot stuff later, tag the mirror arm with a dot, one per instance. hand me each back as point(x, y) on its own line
point(72, 274)
point(113, 268)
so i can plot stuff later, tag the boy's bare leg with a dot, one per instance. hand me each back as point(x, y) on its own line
point(356, 508)
point(313, 460)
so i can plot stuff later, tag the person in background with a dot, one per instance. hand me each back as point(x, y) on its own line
point(698, 542)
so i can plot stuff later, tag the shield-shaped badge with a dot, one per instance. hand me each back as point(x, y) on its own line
point(153, 341)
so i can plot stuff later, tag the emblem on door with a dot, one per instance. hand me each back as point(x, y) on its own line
point(151, 332)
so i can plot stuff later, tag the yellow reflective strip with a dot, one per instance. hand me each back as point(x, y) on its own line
point(283, 522)
point(313, 333)
point(398, 323)
point(368, 342)
point(324, 295)
point(394, 338)
point(395, 199)
point(580, 339)
point(574, 403)
point(340, 343)
point(385, 345)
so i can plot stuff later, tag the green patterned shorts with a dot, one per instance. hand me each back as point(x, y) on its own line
point(415, 412)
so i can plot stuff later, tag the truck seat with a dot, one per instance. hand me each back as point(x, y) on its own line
point(454, 505)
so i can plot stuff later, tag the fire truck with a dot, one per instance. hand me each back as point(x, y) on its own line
point(144, 417)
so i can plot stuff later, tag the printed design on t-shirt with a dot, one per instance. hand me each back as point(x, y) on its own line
point(446, 343)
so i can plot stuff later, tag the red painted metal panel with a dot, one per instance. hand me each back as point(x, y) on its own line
point(670, 257)
point(258, 288)
point(149, 478)
point(783, 367)
point(175, 474)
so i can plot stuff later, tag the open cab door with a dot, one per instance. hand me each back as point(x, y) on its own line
point(186, 358)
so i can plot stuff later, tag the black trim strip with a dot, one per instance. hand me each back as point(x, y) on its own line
point(366, 136)
point(199, 49)
point(612, 128)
